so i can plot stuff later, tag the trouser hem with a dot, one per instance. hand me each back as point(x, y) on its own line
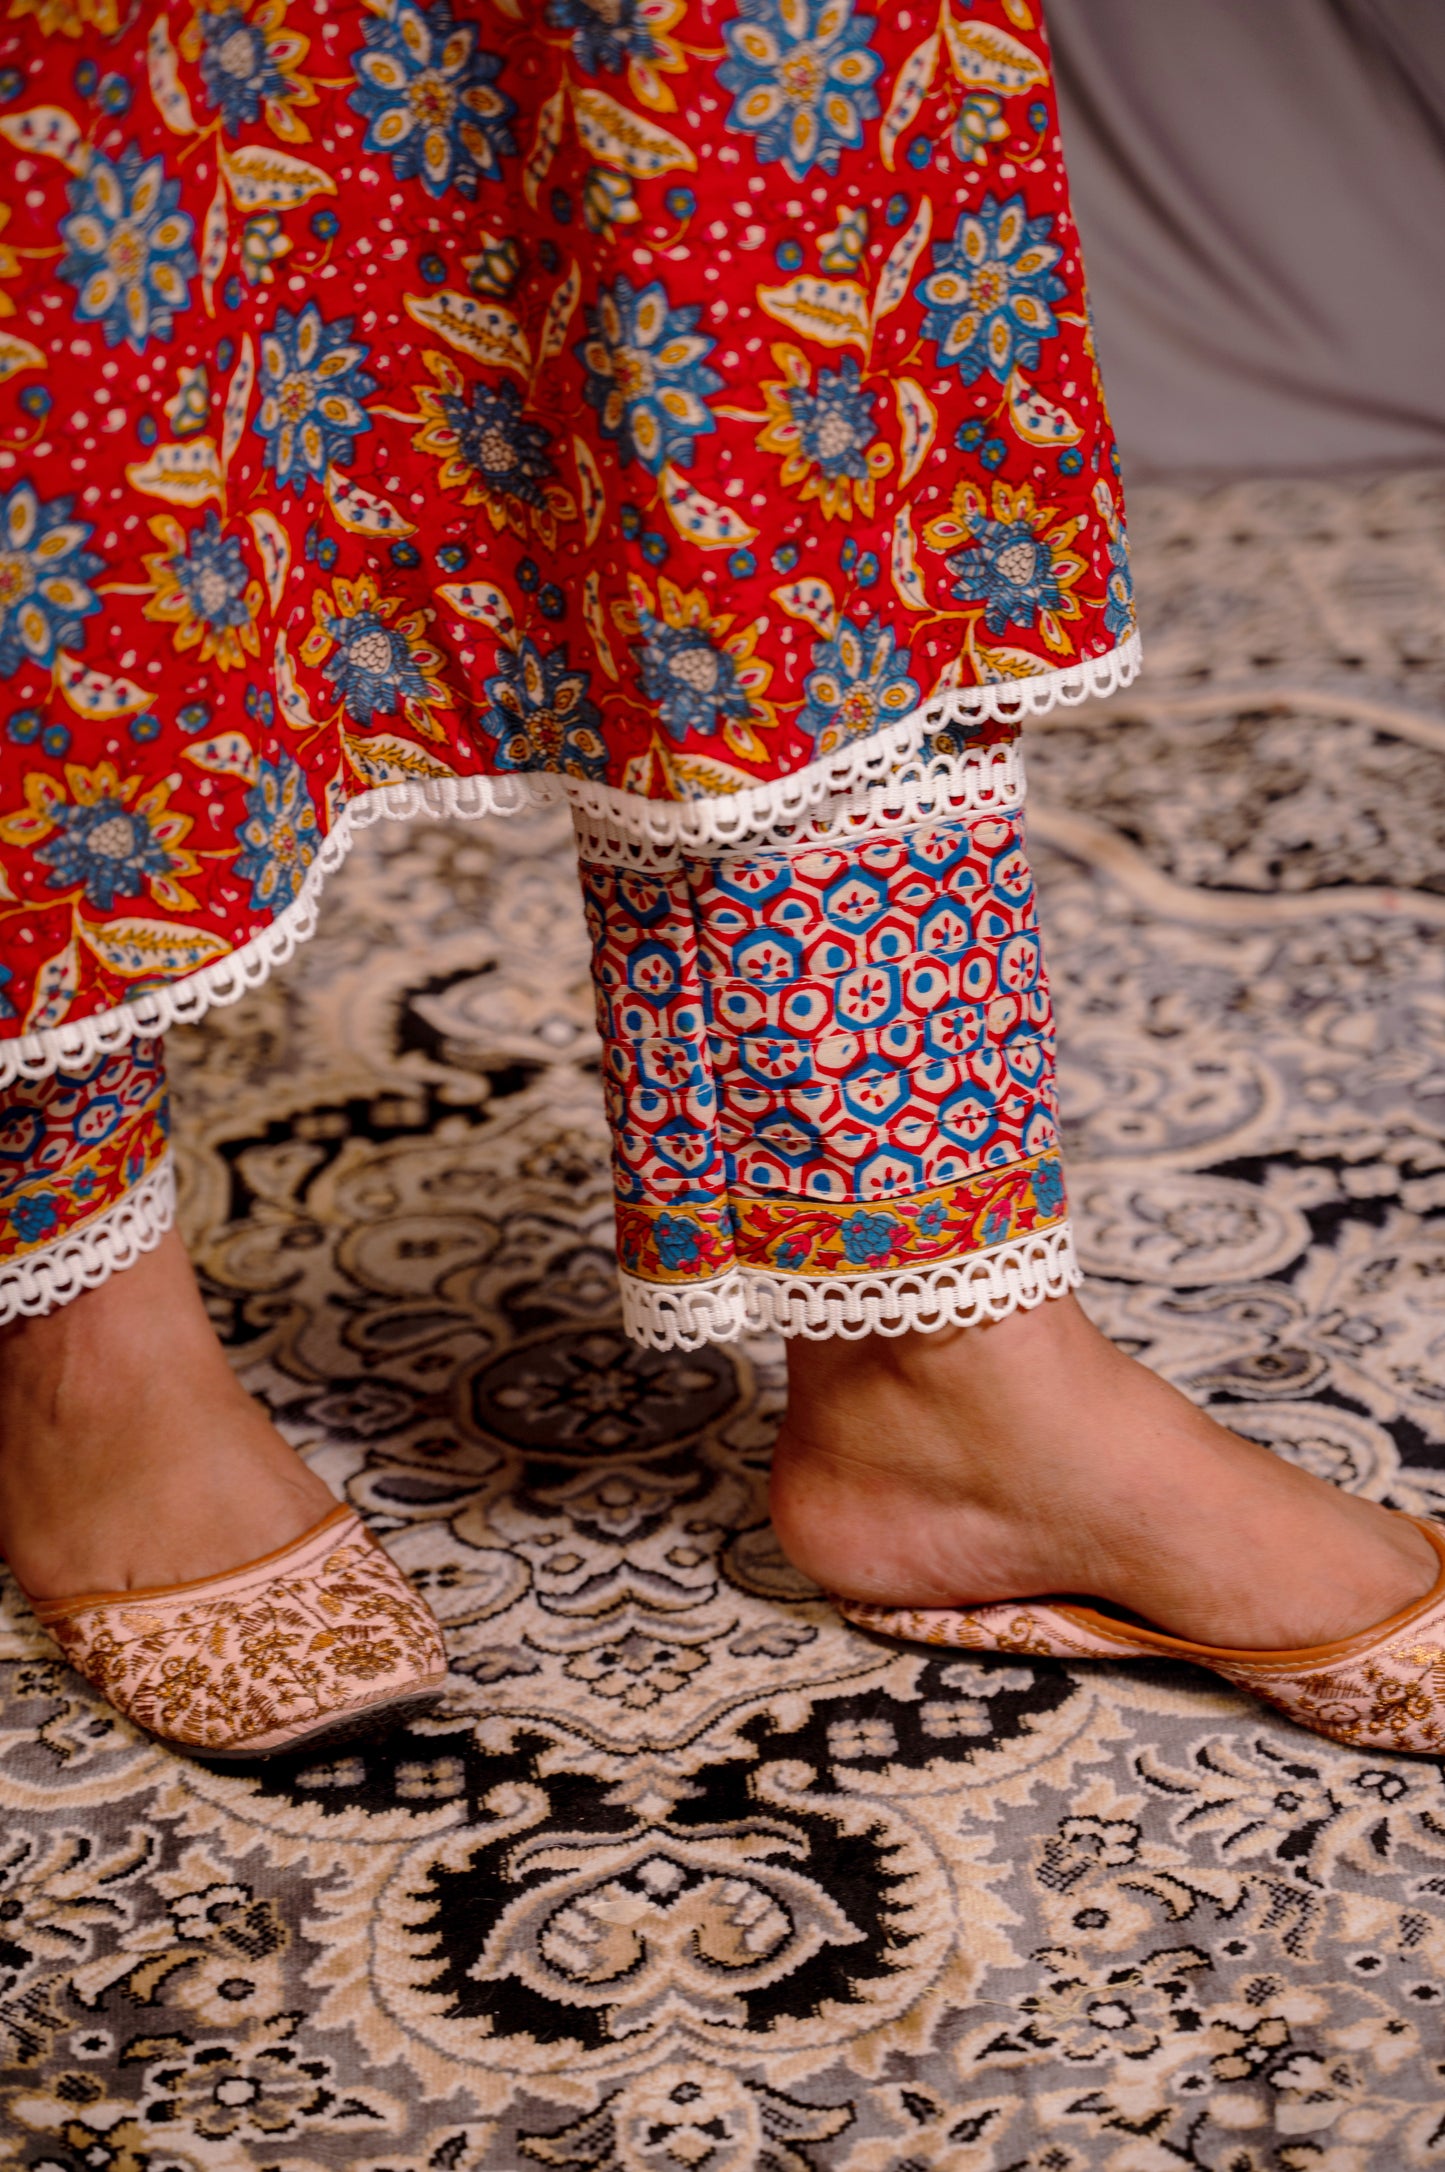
point(84, 1258)
point(966, 1292)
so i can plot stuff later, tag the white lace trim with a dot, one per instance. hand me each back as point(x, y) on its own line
point(739, 817)
point(57, 1272)
point(991, 781)
point(749, 1301)
point(862, 779)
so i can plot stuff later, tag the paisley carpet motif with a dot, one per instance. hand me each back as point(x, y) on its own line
point(685, 1876)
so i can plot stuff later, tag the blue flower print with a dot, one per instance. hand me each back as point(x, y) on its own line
point(45, 571)
point(128, 248)
point(374, 669)
point(791, 1253)
point(107, 848)
point(605, 33)
point(1119, 595)
point(858, 684)
point(1010, 571)
point(831, 429)
point(677, 1241)
point(835, 423)
point(35, 1218)
point(987, 298)
point(279, 836)
point(868, 1239)
point(931, 1216)
point(1049, 1187)
point(238, 67)
point(647, 375)
point(211, 574)
point(7, 1008)
point(802, 74)
point(485, 442)
point(429, 93)
point(312, 386)
point(694, 683)
point(541, 716)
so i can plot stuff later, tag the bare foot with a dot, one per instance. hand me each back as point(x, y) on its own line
point(1033, 1457)
point(130, 1456)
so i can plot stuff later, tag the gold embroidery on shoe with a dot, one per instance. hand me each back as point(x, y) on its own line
point(314, 1638)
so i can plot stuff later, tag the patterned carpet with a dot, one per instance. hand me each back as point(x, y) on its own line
point(687, 1876)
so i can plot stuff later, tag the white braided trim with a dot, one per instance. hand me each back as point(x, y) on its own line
point(863, 778)
point(750, 1301)
point(57, 1272)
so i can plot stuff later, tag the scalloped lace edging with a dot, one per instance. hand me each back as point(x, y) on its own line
point(52, 1276)
point(866, 780)
point(991, 781)
point(741, 817)
point(749, 1301)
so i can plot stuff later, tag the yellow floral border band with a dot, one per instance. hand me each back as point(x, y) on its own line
point(685, 1242)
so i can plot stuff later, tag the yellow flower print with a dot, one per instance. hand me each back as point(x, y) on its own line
point(202, 591)
point(9, 264)
point(825, 434)
point(490, 451)
point(68, 18)
point(250, 63)
point(701, 676)
point(604, 37)
point(106, 838)
point(376, 662)
point(1016, 559)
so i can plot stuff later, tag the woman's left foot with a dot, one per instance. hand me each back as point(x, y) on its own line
point(1032, 1457)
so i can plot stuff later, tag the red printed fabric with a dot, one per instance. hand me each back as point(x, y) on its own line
point(830, 1083)
point(684, 406)
point(85, 1176)
point(659, 396)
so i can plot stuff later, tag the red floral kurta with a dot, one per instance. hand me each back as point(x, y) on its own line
point(679, 403)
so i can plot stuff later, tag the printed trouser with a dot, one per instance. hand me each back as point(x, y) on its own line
point(829, 1078)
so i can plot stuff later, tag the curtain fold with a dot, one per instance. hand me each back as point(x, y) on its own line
point(1261, 192)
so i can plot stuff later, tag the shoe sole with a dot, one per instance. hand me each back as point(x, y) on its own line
point(372, 1722)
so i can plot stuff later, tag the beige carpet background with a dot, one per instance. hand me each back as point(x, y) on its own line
point(686, 1876)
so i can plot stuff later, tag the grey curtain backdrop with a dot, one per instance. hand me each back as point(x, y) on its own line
point(1261, 190)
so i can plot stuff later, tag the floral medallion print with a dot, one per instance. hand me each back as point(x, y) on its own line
point(488, 399)
point(988, 296)
point(646, 376)
point(312, 386)
point(279, 836)
point(826, 433)
point(703, 675)
point(204, 590)
point(375, 657)
point(105, 836)
point(129, 251)
point(250, 66)
point(539, 708)
point(685, 1872)
point(803, 72)
point(428, 92)
point(488, 450)
point(44, 574)
point(859, 680)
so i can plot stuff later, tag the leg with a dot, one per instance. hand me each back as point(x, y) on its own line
point(1026, 1455)
point(129, 1455)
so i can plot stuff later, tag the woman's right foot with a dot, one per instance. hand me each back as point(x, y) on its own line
point(1032, 1457)
point(130, 1455)
point(131, 1461)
